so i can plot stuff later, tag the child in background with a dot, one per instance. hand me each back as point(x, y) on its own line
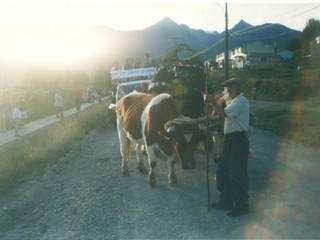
point(16, 115)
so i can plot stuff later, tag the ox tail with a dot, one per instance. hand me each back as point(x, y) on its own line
point(128, 152)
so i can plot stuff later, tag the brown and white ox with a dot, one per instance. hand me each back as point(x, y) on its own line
point(141, 120)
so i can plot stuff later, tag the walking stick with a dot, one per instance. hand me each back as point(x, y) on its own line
point(207, 136)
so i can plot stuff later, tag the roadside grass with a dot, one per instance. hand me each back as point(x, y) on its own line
point(275, 119)
point(31, 155)
point(299, 125)
point(306, 128)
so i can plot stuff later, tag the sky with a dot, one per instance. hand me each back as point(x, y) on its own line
point(53, 31)
point(139, 14)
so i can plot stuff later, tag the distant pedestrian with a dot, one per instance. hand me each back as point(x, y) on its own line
point(147, 62)
point(16, 115)
point(23, 107)
point(253, 92)
point(89, 92)
point(5, 107)
point(58, 103)
point(78, 98)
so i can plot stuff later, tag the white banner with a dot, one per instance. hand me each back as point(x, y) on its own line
point(139, 72)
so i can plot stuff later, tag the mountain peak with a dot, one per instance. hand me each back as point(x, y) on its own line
point(167, 20)
point(241, 25)
point(164, 23)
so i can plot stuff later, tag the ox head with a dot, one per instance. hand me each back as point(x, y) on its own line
point(184, 138)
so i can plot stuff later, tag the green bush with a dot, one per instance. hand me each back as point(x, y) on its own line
point(275, 84)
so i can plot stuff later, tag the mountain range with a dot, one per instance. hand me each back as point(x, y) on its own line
point(165, 34)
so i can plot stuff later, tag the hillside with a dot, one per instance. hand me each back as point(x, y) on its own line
point(163, 35)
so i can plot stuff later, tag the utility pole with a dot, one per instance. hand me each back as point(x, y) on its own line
point(226, 50)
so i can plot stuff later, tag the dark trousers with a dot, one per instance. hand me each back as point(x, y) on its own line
point(232, 174)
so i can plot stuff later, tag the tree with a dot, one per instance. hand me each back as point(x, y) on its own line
point(310, 32)
point(183, 51)
point(294, 44)
point(46, 79)
point(80, 78)
point(102, 81)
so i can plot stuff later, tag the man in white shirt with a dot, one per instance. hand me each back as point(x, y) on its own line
point(232, 175)
point(58, 102)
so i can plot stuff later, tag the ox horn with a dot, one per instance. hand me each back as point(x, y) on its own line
point(171, 129)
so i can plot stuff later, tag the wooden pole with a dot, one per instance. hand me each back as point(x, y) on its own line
point(207, 139)
point(226, 51)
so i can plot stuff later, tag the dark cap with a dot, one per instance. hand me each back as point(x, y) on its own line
point(232, 81)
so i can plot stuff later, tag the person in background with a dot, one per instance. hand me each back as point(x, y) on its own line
point(58, 103)
point(23, 108)
point(147, 62)
point(253, 92)
point(5, 107)
point(16, 115)
point(78, 98)
point(232, 175)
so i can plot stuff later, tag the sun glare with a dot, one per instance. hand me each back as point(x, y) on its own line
point(63, 49)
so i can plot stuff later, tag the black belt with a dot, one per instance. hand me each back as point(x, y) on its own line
point(236, 133)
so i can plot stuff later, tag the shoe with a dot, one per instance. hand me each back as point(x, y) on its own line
point(237, 212)
point(221, 205)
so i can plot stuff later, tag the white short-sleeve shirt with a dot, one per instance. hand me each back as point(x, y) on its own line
point(237, 112)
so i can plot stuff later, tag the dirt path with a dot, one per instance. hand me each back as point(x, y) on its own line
point(84, 196)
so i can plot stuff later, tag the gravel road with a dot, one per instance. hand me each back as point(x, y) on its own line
point(84, 196)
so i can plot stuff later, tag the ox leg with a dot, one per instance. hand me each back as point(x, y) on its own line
point(152, 164)
point(123, 149)
point(172, 175)
point(124, 165)
point(139, 154)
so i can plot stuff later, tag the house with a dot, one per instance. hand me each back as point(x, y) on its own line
point(250, 55)
point(315, 50)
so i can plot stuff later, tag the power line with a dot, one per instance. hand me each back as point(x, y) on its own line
point(305, 12)
point(293, 9)
point(262, 38)
point(205, 50)
point(237, 35)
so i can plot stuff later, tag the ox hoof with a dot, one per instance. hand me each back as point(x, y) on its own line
point(173, 181)
point(217, 159)
point(142, 170)
point(125, 173)
point(152, 182)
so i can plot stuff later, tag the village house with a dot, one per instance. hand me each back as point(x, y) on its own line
point(250, 55)
point(315, 50)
